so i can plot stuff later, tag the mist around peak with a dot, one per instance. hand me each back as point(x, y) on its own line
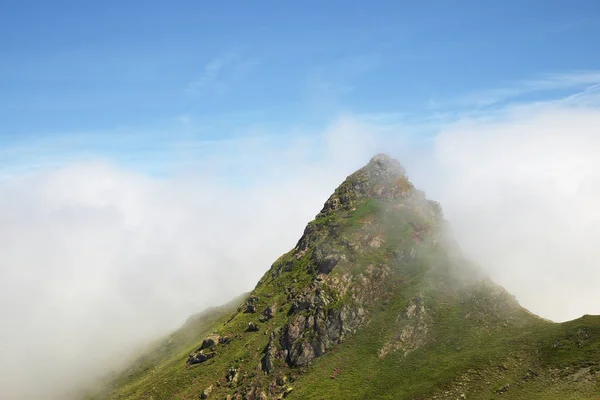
point(96, 259)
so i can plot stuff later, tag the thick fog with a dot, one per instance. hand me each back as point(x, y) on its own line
point(96, 259)
point(522, 194)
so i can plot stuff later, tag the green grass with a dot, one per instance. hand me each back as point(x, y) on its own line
point(478, 340)
point(467, 353)
point(367, 208)
point(495, 356)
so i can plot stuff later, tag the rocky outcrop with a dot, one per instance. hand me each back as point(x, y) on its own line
point(268, 313)
point(383, 177)
point(210, 341)
point(251, 304)
point(412, 329)
point(325, 311)
point(224, 339)
point(206, 393)
point(326, 257)
point(270, 352)
point(342, 287)
point(208, 349)
point(200, 357)
point(308, 336)
point(232, 375)
point(376, 243)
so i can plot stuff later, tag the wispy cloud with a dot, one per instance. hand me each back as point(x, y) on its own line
point(327, 85)
point(512, 91)
point(187, 137)
point(590, 96)
point(220, 73)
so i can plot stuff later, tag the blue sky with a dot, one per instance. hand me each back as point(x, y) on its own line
point(222, 126)
point(134, 81)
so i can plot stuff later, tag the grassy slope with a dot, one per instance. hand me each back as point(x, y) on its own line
point(158, 372)
point(471, 357)
point(478, 341)
point(463, 360)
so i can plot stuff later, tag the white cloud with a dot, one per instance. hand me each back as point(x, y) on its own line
point(522, 192)
point(576, 81)
point(95, 260)
point(219, 74)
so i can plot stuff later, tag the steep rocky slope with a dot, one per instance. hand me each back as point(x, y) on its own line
point(374, 302)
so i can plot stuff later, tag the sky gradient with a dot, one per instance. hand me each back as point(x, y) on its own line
point(138, 81)
point(157, 157)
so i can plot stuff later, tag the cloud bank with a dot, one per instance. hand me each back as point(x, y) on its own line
point(521, 192)
point(96, 259)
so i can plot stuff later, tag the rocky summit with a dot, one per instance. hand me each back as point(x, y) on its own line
point(375, 301)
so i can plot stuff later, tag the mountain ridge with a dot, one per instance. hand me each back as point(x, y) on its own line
point(374, 301)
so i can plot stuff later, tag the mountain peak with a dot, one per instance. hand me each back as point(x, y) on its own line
point(382, 178)
point(386, 165)
point(374, 301)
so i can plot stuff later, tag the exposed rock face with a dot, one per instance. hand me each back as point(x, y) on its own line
point(342, 288)
point(206, 393)
point(411, 329)
point(319, 319)
point(309, 335)
point(224, 340)
point(268, 313)
point(251, 305)
point(200, 357)
point(375, 259)
point(326, 258)
point(382, 177)
point(209, 342)
point(207, 349)
point(270, 352)
point(232, 375)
